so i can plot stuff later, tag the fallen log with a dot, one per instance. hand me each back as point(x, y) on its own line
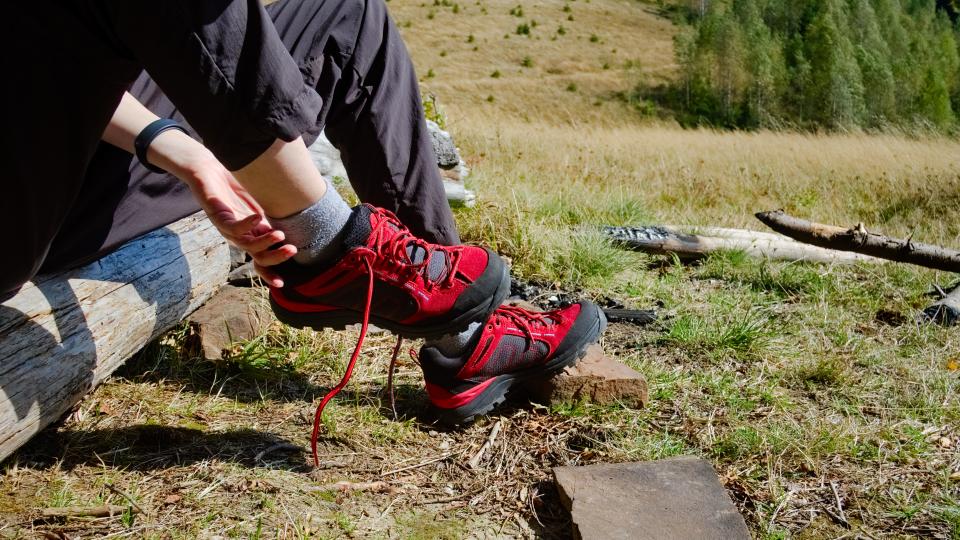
point(858, 240)
point(663, 240)
point(64, 333)
point(946, 311)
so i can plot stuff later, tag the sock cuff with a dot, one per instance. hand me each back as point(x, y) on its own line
point(314, 229)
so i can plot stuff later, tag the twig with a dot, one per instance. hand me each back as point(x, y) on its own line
point(940, 291)
point(418, 465)
point(104, 510)
point(779, 507)
point(390, 372)
point(345, 486)
point(455, 498)
point(275, 447)
point(475, 460)
point(129, 499)
point(836, 496)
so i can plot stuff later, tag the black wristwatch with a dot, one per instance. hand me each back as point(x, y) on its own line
point(149, 133)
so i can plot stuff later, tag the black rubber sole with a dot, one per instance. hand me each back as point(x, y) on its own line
point(497, 392)
point(340, 319)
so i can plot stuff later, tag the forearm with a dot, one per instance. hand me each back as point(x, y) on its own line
point(174, 151)
point(283, 179)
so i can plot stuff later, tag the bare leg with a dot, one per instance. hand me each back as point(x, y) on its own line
point(283, 179)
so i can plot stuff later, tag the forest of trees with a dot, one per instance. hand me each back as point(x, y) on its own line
point(812, 64)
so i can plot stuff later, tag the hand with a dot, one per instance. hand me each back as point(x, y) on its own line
point(230, 207)
point(238, 217)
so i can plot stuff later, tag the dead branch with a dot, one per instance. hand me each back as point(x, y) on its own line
point(345, 487)
point(662, 240)
point(475, 460)
point(946, 311)
point(285, 446)
point(418, 465)
point(859, 240)
point(126, 496)
point(104, 510)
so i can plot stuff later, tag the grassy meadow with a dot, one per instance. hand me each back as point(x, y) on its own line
point(826, 409)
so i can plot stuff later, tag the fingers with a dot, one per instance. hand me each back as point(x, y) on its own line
point(229, 225)
point(268, 275)
point(273, 257)
point(255, 244)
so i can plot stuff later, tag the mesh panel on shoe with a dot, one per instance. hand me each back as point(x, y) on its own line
point(436, 269)
point(512, 354)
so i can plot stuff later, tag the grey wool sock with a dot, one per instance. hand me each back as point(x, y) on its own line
point(316, 230)
point(455, 344)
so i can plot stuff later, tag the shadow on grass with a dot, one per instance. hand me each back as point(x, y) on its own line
point(149, 447)
point(245, 382)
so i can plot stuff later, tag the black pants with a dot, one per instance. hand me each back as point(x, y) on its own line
point(239, 74)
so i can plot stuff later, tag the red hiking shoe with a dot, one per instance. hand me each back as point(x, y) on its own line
point(409, 286)
point(514, 345)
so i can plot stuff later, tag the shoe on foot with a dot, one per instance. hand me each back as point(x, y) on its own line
point(513, 346)
point(407, 285)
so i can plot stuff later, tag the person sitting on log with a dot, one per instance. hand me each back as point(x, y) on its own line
point(257, 85)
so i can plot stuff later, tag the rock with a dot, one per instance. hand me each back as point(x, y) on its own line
point(596, 378)
point(443, 147)
point(237, 257)
point(678, 498)
point(234, 314)
point(243, 276)
point(327, 158)
point(458, 194)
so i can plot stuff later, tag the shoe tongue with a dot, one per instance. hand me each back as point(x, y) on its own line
point(357, 232)
point(357, 229)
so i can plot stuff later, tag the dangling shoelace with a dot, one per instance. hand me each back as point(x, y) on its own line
point(398, 244)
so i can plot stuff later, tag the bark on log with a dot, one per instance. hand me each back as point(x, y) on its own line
point(946, 311)
point(859, 240)
point(63, 334)
point(663, 240)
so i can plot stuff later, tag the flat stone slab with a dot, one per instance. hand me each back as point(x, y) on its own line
point(234, 314)
point(597, 378)
point(678, 498)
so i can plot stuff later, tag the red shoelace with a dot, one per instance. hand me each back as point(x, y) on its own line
point(394, 252)
point(391, 253)
point(522, 318)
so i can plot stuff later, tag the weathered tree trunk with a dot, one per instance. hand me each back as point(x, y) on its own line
point(63, 334)
point(663, 240)
point(859, 240)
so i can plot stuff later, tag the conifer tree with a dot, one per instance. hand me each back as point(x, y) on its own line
point(836, 80)
point(820, 63)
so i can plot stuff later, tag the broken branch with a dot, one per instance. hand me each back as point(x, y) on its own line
point(946, 311)
point(859, 240)
point(345, 486)
point(103, 510)
point(662, 240)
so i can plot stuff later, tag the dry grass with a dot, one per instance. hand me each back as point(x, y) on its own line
point(801, 383)
point(633, 43)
